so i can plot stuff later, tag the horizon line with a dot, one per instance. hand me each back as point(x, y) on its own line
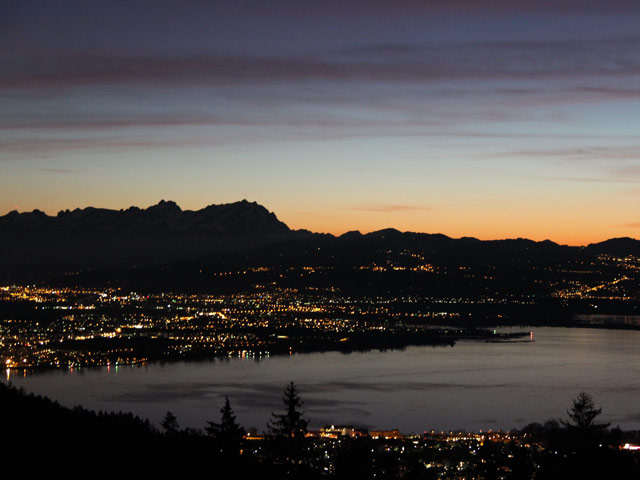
point(336, 235)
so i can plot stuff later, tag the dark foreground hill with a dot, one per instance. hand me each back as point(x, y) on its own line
point(42, 438)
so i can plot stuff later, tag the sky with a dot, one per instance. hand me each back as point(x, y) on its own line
point(493, 119)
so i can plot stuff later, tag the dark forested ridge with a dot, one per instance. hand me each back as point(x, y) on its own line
point(42, 438)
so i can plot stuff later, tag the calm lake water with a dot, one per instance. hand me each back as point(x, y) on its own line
point(472, 386)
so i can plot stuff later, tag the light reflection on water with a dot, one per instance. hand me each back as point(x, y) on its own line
point(474, 385)
point(603, 319)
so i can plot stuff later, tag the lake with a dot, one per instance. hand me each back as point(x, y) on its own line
point(474, 385)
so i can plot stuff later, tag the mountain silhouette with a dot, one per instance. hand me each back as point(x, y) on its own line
point(246, 233)
point(98, 238)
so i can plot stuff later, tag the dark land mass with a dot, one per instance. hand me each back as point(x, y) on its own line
point(237, 274)
point(112, 242)
point(43, 438)
point(244, 248)
point(34, 243)
point(40, 335)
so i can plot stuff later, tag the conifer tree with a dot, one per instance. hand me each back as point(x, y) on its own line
point(582, 414)
point(290, 424)
point(170, 424)
point(228, 430)
point(583, 434)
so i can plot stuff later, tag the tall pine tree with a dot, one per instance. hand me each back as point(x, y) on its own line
point(228, 431)
point(290, 424)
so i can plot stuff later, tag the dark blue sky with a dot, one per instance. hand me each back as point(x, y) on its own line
point(493, 119)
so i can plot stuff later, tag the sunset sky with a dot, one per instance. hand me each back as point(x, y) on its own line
point(493, 119)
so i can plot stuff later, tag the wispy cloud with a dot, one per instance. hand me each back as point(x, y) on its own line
point(58, 170)
point(388, 208)
point(597, 179)
point(598, 153)
point(49, 147)
point(627, 171)
point(384, 63)
point(610, 170)
point(92, 123)
point(349, 93)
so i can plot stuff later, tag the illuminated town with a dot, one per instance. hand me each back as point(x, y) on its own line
point(72, 327)
point(388, 298)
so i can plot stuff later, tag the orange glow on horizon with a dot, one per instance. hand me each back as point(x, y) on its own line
point(562, 227)
point(559, 231)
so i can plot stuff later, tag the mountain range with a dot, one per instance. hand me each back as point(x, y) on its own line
point(98, 238)
point(33, 243)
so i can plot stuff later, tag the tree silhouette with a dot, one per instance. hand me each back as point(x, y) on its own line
point(228, 431)
point(170, 424)
point(579, 450)
point(290, 424)
point(585, 437)
point(582, 414)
